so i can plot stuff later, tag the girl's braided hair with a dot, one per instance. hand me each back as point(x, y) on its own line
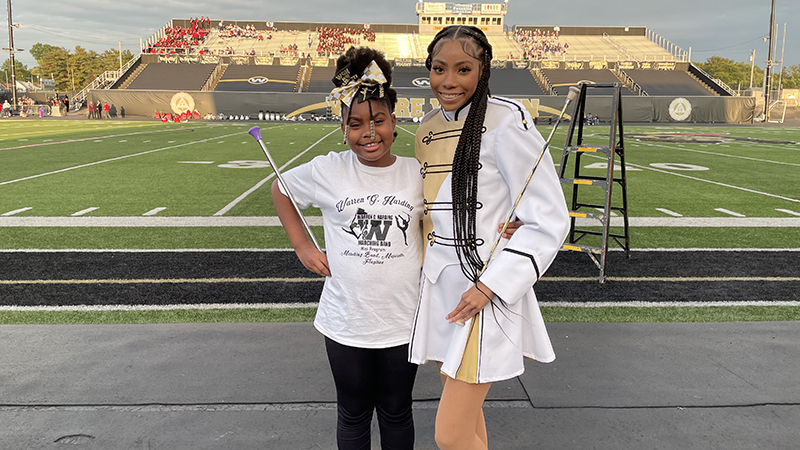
point(464, 180)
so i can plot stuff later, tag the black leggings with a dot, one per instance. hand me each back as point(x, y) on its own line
point(370, 379)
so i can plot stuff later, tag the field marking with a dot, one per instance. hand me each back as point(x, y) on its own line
point(111, 160)
point(166, 281)
point(413, 134)
point(287, 250)
point(68, 141)
point(274, 221)
point(16, 211)
point(154, 211)
point(84, 211)
point(725, 155)
point(669, 212)
point(788, 211)
point(752, 191)
point(729, 212)
point(544, 279)
point(238, 199)
point(228, 306)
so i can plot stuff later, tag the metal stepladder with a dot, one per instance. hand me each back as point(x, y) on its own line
point(601, 204)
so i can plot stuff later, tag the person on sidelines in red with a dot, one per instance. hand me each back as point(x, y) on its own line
point(164, 118)
point(90, 115)
point(196, 115)
point(106, 113)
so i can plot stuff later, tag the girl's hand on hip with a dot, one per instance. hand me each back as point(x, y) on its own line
point(471, 302)
point(313, 259)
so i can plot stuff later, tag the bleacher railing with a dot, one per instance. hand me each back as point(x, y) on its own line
point(104, 80)
point(630, 83)
point(719, 82)
point(619, 47)
point(679, 53)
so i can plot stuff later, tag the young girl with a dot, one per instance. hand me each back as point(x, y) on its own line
point(476, 152)
point(371, 202)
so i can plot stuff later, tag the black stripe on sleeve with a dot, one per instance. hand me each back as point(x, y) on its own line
point(533, 261)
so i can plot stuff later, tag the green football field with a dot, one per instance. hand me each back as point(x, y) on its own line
point(79, 184)
point(144, 185)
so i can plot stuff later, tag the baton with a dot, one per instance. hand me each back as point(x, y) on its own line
point(572, 95)
point(256, 133)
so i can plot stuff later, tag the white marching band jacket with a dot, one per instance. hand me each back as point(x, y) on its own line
point(510, 146)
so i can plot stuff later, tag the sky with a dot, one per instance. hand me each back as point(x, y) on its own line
point(726, 28)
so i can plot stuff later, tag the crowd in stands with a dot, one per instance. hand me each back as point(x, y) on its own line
point(334, 41)
point(248, 32)
point(180, 40)
point(538, 44)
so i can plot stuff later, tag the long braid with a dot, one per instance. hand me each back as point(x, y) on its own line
point(466, 160)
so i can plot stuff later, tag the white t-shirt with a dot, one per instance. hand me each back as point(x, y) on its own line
point(372, 233)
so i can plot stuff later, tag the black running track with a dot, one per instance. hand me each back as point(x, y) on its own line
point(206, 278)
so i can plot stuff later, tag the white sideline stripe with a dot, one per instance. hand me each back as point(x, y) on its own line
point(84, 211)
point(80, 308)
point(279, 250)
point(167, 281)
point(16, 211)
point(729, 212)
point(101, 308)
point(665, 304)
point(195, 162)
point(724, 155)
point(238, 199)
point(154, 211)
point(668, 212)
point(544, 279)
point(111, 159)
point(273, 221)
point(69, 141)
point(788, 211)
point(717, 183)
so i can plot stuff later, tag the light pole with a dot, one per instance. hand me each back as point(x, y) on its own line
point(11, 56)
point(768, 68)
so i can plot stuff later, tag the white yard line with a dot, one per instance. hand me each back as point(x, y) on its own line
point(717, 183)
point(724, 155)
point(113, 159)
point(788, 211)
point(154, 211)
point(16, 211)
point(729, 212)
point(273, 221)
point(238, 199)
point(669, 212)
point(92, 308)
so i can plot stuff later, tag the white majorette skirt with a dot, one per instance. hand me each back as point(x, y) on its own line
point(490, 347)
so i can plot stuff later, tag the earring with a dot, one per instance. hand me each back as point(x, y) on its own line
point(372, 129)
point(346, 132)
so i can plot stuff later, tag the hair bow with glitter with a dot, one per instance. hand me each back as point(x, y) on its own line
point(369, 85)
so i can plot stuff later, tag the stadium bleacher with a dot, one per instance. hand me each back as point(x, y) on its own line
point(562, 79)
point(259, 78)
point(187, 77)
point(321, 79)
point(668, 82)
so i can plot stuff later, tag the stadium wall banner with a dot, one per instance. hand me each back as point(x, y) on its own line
point(706, 109)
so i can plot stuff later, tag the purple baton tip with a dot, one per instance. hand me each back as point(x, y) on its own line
point(255, 132)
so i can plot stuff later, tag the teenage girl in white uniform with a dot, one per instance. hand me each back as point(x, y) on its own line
point(475, 154)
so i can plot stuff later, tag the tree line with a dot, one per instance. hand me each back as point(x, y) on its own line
point(72, 70)
point(737, 74)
